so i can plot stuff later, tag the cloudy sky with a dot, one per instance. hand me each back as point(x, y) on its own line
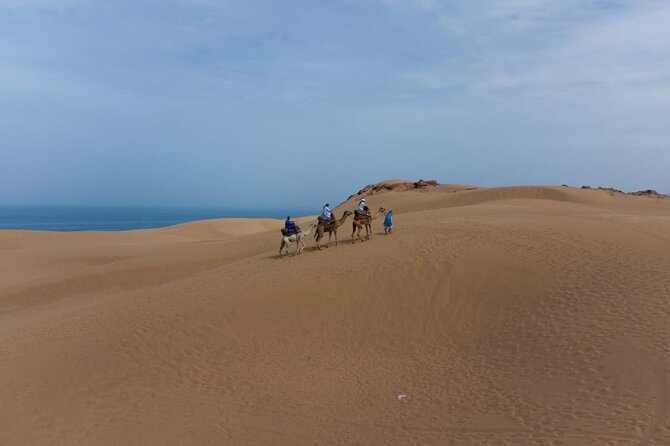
point(258, 103)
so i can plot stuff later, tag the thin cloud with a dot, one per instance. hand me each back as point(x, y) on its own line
point(239, 83)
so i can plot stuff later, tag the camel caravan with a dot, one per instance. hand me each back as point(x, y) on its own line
point(327, 223)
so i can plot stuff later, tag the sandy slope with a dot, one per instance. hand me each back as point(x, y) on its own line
point(523, 315)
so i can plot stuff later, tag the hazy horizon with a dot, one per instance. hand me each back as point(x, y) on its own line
point(258, 104)
point(279, 207)
point(122, 218)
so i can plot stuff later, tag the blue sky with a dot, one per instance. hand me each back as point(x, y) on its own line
point(261, 103)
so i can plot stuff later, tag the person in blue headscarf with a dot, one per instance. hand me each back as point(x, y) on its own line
point(388, 222)
point(290, 227)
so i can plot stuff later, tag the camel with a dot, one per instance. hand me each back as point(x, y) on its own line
point(330, 228)
point(366, 222)
point(298, 238)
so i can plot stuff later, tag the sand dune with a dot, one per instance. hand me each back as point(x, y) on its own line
point(512, 316)
point(223, 228)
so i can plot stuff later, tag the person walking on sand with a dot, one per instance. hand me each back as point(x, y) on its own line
point(388, 222)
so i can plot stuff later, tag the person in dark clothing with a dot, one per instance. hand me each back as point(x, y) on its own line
point(290, 227)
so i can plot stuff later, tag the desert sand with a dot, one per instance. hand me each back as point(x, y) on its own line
point(511, 316)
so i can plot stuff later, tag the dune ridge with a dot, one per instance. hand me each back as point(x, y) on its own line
point(516, 315)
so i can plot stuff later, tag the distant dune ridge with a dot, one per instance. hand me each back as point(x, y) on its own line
point(643, 193)
point(513, 315)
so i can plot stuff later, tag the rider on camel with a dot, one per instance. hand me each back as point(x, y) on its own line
point(362, 208)
point(290, 227)
point(326, 214)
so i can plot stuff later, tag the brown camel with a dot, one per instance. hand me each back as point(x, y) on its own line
point(364, 221)
point(330, 228)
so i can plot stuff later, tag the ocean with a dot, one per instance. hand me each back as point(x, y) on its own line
point(88, 218)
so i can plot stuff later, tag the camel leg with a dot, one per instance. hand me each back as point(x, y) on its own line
point(357, 230)
point(335, 238)
point(300, 245)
